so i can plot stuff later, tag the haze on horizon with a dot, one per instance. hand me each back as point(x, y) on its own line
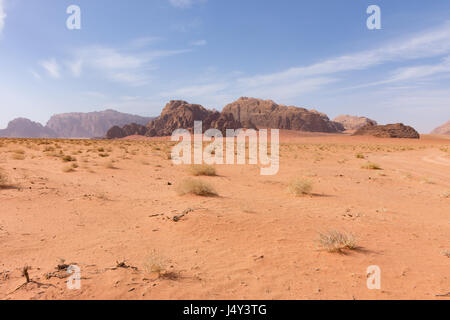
point(136, 56)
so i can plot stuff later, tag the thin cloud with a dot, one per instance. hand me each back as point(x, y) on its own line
point(118, 65)
point(183, 4)
point(429, 44)
point(199, 43)
point(2, 16)
point(52, 68)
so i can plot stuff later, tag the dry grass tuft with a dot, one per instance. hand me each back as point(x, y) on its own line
point(335, 241)
point(203, 170)
point(3, 180)
point(371, 166)
point(110, 165)
point(300, 187)
point(68, 169)
point(155, 263)
point(360, 156)
point(18, 157)
point(69, 159)
point(197, 187)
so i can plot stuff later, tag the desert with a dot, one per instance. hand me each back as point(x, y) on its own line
point(113, 208)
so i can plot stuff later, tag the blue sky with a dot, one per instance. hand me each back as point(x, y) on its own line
point(134, 56)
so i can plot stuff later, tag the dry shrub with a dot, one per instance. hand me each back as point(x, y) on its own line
point(300, 187)
point(68, 169)
point(69, 159)
point(203, 170)
point(3, 180)
point(371, 166)
point(197, 187)
point(360, 156)
point(110, 165)
point(335, 241)
point(155, 263)
point(18, 157)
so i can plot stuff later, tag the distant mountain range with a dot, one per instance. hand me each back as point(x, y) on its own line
point(444, 129)
point(71, 125)
point(249, 113)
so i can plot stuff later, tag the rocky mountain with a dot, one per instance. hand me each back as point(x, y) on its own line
point(117, 132)
point(398, 130)
point(268, 114)
point(181, 114)
point(249, 113)
point(92, 124)
point(178, 114)
point(444, 129)
point(25, 128)
point(354, 122)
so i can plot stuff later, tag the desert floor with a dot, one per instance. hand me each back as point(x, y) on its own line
point(255, 240)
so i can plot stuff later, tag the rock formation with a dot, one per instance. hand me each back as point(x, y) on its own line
point(353, 122)
point(398, 130)
point(444, 129)
point(92, 124)
point(25, 128)
point(268, 114)
point(117, 132)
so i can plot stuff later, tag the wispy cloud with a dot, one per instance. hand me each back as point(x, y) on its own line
point(2, 15)
point(185, 3)
point(199, 43)
point(117, 65)
point(428, 44)
point(52, 68)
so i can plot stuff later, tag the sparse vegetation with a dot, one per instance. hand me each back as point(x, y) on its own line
point(203, 170)
point(18, 157)
point(335, 241)
point(3, 180)
point(371, 166)
point(68, 169)
point(68, 159)
point(110, 165)
point(197, 187)
point(154, 263)
point(445, 194)
point(360, 156)
point(300, 187)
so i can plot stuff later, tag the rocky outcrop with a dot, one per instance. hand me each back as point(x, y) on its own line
point(25, 128)
point(444, 129)
point(353, 122)
point(117, 132)
point(179, 114)
point(268, 114)
point(92, 124)
point(398, 130)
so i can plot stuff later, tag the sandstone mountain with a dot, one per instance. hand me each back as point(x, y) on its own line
point(25, 128)
point(179, 114)
point(354, 122)
point(268, 114)
point(92, 124)
point(444, 129)
point(117, 132)
point(398, 130)
point(248, 113)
